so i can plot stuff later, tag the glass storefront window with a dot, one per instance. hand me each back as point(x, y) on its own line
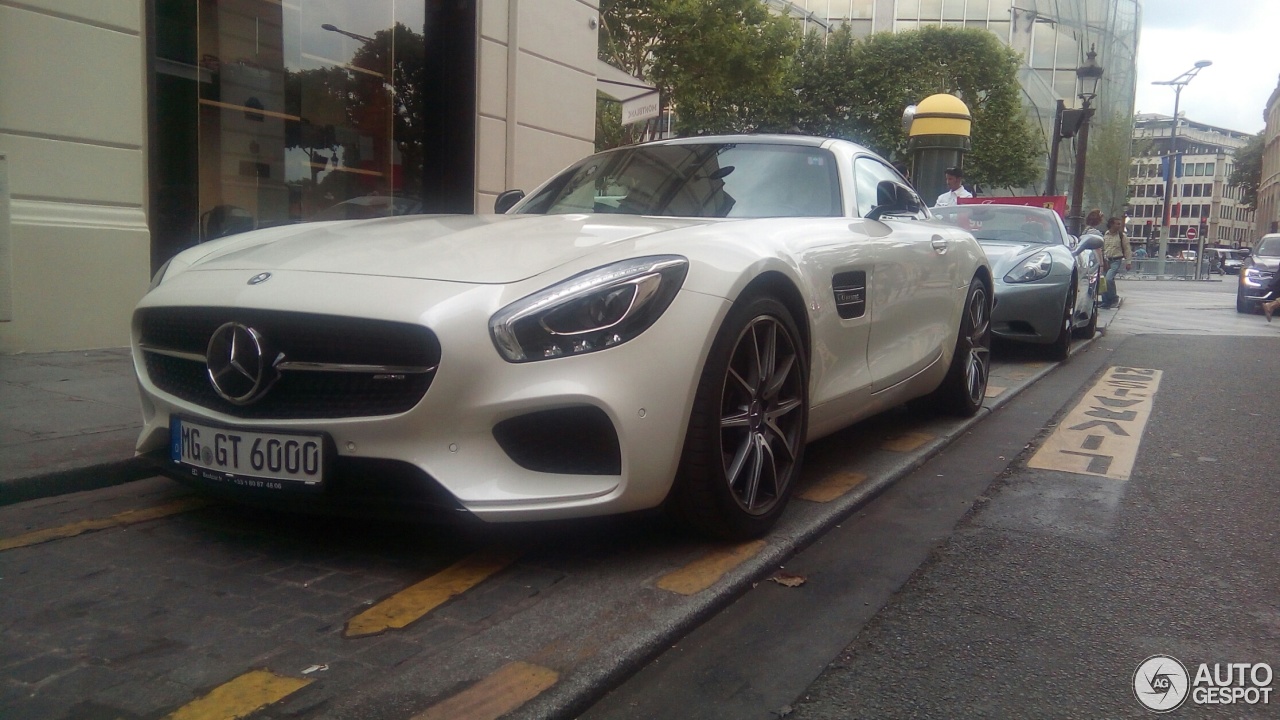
point(308, 112)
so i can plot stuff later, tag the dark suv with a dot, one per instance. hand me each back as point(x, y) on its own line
point(1256, 274)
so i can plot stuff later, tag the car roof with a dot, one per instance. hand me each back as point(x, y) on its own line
point(763, 139)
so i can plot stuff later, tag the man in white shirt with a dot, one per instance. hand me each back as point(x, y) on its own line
point(955, 183)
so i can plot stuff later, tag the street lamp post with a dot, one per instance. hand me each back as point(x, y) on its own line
point(354, 36)
point(1089, 74)
point(1178, 83)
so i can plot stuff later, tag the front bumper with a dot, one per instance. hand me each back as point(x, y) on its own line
point(643, 389)
point(1028, 312)
point(1255, 285)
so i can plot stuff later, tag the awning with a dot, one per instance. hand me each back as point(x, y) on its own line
point(619, 85)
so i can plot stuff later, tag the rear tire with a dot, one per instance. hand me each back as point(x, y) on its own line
point(965, 387)
point(745, 443)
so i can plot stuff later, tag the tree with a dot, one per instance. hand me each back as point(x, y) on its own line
point(722, 64)
point(1110, 159)
point(889, 71)
point(1247, 172)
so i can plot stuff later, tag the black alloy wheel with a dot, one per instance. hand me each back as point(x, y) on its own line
point(1060, 349)
point(965, 386)
point(760, 416)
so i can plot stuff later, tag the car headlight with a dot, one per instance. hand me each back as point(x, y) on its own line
point(1033, 268)
point(159, 276)
point(598, 309)
point(1251, 276)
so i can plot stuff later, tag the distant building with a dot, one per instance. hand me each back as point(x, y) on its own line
point(1202, 198)
point(1051, 35)
point(1268, 215)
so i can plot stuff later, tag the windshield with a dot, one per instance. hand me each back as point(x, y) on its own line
point(1005, 223)
point(747, 180)
point(1269, 247)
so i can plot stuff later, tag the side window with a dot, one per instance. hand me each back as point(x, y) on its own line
point(867, 175)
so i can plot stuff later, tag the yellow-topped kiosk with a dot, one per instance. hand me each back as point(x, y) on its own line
point(939, 138)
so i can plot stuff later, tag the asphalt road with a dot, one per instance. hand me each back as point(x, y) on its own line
point(981, 587)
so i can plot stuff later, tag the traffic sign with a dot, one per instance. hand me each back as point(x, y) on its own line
point(1191, 233)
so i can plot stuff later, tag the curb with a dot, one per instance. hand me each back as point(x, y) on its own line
point(63, 482)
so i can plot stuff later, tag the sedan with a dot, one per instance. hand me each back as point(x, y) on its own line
point(1046, 281)
point(1256, 273)
point(664, 325)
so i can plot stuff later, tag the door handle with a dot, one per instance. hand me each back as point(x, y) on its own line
point(939, 244)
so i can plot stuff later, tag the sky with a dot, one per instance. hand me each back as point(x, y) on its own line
point(1241, 37)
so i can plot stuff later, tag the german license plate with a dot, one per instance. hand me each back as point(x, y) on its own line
point(241, 454)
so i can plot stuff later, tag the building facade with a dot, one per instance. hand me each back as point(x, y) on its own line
point(1203, 206)
point(159, 124)
point(1052, 36)
point(1268, 204)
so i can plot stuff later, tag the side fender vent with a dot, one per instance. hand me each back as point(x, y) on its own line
point(851, 293)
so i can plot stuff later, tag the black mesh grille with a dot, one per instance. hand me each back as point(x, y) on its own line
point(302, 338)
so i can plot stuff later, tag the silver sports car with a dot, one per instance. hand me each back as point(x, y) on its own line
point(660, 325)
point(1046, 282)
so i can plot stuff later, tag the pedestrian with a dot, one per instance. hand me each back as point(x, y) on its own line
point(955, 189)
point(1140, 253)
point(1115, 248)
point(1093, 224)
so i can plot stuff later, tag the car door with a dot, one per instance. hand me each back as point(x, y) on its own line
point(913, 284)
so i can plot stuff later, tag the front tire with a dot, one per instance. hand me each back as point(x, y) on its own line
point(745, 444)
point(1061, 348)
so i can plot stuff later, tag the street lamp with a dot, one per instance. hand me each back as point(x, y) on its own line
point(1178, 83)
point(334, 28)
point(1089, 75)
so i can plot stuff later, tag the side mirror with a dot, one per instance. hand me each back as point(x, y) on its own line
point(1088, 242)
point(507, 200)
point(893, 199)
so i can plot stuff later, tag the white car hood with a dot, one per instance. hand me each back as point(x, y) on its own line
point(483, 249)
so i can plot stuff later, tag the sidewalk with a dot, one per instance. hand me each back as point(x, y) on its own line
point(68, 422)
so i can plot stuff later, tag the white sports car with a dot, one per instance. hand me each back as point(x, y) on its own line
point(660, 325)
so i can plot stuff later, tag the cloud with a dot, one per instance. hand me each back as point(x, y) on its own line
point(1232, 93)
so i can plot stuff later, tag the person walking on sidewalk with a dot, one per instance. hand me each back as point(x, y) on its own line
point(1115, 248)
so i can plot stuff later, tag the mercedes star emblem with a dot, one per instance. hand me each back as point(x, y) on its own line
point(260, 278)
point(238, 364)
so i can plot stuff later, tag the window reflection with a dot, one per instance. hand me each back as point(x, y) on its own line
point(308, 110)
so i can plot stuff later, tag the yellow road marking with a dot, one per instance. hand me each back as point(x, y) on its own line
point(513, 685)
point(906, 442)
point(417, 600)
point(238, 698)
point(994, 390)
point(832, 486)
point(128, 517)
point(1101, 435)
point(708, 569)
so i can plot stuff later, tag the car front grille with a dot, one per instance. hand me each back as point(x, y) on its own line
point(175, 340)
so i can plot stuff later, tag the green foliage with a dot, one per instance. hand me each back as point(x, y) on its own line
point(1110, 158)
point(730, 66)
point(1247, 170)
point(722, 63)
point(858, 90)
point(610, 132)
